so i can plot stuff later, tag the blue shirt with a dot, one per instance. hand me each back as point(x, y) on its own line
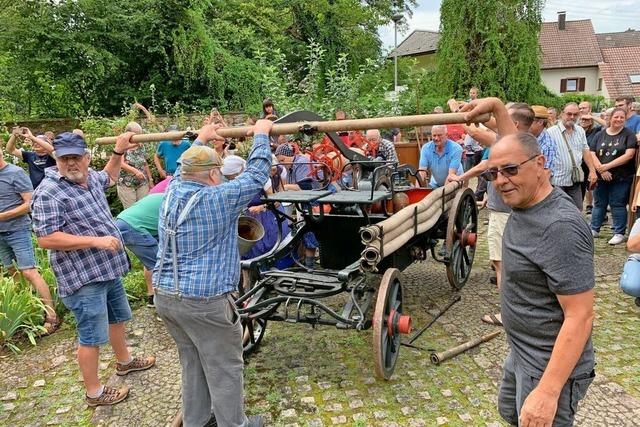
point(61, 205)
point(37, 164)
point(13, 182)
point(633, 123)
point(171, 153)
point(548, 148)
point(439, 164)
point(207, 241)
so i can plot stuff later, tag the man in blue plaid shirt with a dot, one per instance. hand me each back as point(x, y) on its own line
point(198, 268)
point(71, 218)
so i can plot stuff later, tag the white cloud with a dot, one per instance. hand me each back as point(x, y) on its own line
point(606, 16)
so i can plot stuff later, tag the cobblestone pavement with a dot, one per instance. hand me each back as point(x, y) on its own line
point(322, 377)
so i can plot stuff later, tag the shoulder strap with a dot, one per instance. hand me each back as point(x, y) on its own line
point(573, 160)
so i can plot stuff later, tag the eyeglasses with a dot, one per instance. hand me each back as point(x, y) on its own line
point(507, 171)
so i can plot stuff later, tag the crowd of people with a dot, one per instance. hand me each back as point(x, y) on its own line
point(537, 170)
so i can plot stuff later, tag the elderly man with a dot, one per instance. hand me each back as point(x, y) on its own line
point(198, 269)
point(15, 234)
point(37, 160)
point(442, 158)
point(72, 220)
point(547, 302)
point(572, 148)
point(385, 149)
point(585, 111)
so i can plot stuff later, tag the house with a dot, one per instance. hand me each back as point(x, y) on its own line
point(570, 56)
point(420, 45)
point(573, 57)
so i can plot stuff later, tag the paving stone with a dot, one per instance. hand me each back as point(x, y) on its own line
point(315, 422)
point(424, 395)
point(340, 419)
point(379, 415)
point(39, 383)
point(12, 395)
point(8, 406)
point(441, 420)
point(465, 417)
point(354, 404)
point(63, 410)
point(417, 422)
point(308, 400)
point(447, 393)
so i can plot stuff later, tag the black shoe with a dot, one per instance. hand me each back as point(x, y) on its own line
point(493, 280)
point(212, 422)
point(638, 301)
point(151, 302)
point(589, 209)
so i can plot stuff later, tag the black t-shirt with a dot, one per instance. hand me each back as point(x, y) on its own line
point(37, 165)
point(610, 147)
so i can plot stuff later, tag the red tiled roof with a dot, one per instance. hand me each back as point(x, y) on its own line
point(619, 63)
point(575, 46)
point(620, 39)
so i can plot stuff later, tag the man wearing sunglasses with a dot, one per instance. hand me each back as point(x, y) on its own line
point(546, 302)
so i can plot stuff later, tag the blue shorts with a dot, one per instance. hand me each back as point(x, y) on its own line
point(95, 306)
point(141, 243)
point(17, 246)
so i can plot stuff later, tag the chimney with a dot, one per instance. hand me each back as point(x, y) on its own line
point(562, 20)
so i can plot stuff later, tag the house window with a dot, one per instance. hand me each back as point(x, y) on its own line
point(572, 84)
point(635, 78)
point(599, 84)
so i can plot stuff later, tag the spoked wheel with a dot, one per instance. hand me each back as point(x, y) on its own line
point(462, 235)
point(388, 324)
point(252, 329)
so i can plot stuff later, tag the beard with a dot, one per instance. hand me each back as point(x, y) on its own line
point(76, 176)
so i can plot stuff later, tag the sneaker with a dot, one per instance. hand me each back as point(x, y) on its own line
point(595, 233)
point(151, 301)
point(109, 396)
point(589, 209)
point(137, 364)
point(617, 239)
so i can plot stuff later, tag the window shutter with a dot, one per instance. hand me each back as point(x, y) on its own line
point(563, 85)
point(581, 84)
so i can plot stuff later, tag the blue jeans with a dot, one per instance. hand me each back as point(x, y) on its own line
point(95, 306)
point(141, 243)
point(613, 193)
point(17, 246)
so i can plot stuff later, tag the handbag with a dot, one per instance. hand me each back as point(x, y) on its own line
point(630, 279)
point(577, 174)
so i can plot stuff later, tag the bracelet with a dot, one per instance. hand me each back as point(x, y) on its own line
point(117, 153)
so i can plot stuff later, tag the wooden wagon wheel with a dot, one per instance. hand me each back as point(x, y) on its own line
point(462, 233)
point(252, 329)
point(388, 324)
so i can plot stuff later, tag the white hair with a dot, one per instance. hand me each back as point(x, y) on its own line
point(440, 127)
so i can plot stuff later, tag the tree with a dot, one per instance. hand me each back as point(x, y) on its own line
point(492, 44)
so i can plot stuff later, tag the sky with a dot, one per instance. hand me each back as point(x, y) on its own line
point(607, 16)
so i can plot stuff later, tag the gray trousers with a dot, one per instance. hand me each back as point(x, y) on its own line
point(208, 335)
point(575, 192)
point(517, 384)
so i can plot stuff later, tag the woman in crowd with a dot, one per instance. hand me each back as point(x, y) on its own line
point(135, 176)
point(613, 152)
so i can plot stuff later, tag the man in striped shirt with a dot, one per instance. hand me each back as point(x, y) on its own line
point(567, 135)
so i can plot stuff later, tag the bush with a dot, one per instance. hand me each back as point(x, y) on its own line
point(21, 313)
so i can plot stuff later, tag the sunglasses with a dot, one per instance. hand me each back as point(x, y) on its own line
point(507, 171)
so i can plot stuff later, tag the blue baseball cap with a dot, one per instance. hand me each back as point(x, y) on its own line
point(69, 144)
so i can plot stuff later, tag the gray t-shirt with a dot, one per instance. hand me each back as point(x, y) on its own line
point(547, 250)
point(13, 181)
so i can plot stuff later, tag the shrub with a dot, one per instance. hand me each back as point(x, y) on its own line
point(21, 312)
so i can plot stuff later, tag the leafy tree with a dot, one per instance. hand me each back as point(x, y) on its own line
point(492, 44)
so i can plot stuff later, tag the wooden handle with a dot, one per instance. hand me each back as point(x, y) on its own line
point(328, 126)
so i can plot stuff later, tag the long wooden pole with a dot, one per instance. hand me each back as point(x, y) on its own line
point(328, 126)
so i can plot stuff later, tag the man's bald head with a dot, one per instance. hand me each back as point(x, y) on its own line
point(373, 135)
point(133, 127)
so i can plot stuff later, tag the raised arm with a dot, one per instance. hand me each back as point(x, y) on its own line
point(11, 144)
point(505, 125)
point(39, 141)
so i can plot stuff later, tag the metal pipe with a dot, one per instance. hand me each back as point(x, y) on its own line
point(438, 358)
point(318, 126)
